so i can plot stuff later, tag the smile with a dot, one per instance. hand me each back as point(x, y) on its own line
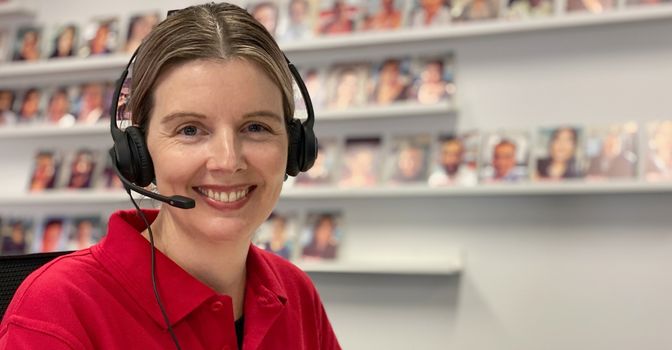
point(224, 196)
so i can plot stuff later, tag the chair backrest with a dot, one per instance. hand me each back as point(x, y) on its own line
point(14, 269)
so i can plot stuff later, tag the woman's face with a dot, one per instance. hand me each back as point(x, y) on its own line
point(217, 135)
point(563, 146)
point(65, 41)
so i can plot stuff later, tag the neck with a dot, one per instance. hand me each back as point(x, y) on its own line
point(219, 265)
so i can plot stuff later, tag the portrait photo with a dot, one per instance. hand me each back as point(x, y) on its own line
point(83, 232)
point(100, 37)
point(28, 43)
point(522, 9)
point(324, 169)
point(346, 85)
point(559, 154)
point(108, 179)
point(505, 157)
point(338, 16)
point(361, 162)
point(297, 22)
point(455, 160)
point(433, 79)
point(267, 13)
point(45, 171)
point(612, 151)
point(139, 26)
point(475, 10)
point(390, 81)
point(81, 169)
point(278, 234)
point(593, 6)
point(16, 235)
point(61, 105)
point(382, 15)
point(321, 236)
point(7, 115)
point(52, 236)
point(429, 13)
point(658, 161)
point(5, 45)
point(408, 159)
point(93, 102)
point(64, 42)
point(30, 104)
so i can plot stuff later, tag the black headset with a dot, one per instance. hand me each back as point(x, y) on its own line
point(134, 166)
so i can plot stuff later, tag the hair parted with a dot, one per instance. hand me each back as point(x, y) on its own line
point(210, 31)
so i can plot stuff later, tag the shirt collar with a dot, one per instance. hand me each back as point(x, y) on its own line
point(126, 254)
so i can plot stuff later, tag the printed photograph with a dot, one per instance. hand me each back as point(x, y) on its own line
point(16, 236)
point(322, 236)
point(138, 27)
point(456, 160)
point(338, 16)
point(323, 171)
point(391, 81)
point(346, 85)
point(93, 102)
point(298, 21)
point(60, 106)
point(7, 115)
point(382, 15)
point(409, 158)
point(505, 157)
point(646, 2)
point(658, 161)
point(558, 153)
point(45, 171)
point(278, 234)
point(108, 178)
point(52, 237)
point(84, 232)
point(433, 79)
point(5, 45)
point(80, 170)
point(27, 44)
point(100, 37)
point(315, 81)
point(64, 42)
point(523, 9)
point(429, 13)
point(475, 10)
point(267, 13)
point(361, 162)
point(612, 151)
point(593, 6)
point(29, 106)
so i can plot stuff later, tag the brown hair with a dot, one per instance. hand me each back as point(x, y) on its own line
point(209, 31)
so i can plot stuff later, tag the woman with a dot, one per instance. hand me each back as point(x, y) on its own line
point(214, 101)
point(561, 162)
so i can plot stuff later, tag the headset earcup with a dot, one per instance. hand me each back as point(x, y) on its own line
point(143, 168)
point(123, 156)
point(308, 147)
point(294, 130)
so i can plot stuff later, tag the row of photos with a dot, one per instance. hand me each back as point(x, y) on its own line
point(395, 80)
point(287, 20)
point(593, 153)
point(318, 239)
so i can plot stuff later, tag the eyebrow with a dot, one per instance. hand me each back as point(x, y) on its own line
point(181, 114)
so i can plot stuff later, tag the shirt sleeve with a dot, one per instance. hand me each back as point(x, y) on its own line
point(328, 339)
point(24, 334)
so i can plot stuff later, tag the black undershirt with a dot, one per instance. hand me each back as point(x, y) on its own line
point(240, 324)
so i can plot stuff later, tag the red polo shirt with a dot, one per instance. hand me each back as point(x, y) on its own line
point(102, 298)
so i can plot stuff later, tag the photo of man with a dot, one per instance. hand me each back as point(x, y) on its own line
point(612, 152)
point(456, 161)
point(277, 235)
point(299, 22)
point(361, 162)
point(505, 157)
point(322, 236)
point(409, 159)
point(27, 44)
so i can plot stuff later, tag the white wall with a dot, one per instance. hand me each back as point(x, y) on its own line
point(542, 272)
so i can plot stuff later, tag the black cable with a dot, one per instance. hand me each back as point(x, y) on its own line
point(156, 290)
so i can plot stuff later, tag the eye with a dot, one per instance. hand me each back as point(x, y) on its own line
point(255, 128)
point(188, 130)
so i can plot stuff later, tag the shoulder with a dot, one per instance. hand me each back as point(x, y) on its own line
point(292, 278)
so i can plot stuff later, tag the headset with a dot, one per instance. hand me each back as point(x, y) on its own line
point(133, 164)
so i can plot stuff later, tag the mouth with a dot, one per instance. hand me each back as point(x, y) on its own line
point(226, 196)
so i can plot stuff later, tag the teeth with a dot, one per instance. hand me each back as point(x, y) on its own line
point(225, 197)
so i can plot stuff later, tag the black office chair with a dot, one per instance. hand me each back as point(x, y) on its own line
point(15, 268)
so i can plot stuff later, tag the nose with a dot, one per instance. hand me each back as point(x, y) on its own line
point(225, 152)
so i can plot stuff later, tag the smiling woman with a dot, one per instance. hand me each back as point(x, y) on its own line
point(212, 112)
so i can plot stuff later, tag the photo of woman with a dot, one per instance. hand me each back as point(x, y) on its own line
point(322, 236)
point(561, 157)
point(64, 42)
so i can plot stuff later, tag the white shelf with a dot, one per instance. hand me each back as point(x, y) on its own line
point(443, 267)
point(64, 197)
point(484, 190)
point(494, 27)
point(14, 10)
point(38, 131)
point(116, 62)
point(401, 110)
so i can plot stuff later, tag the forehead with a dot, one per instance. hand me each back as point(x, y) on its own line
point(216, 88)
